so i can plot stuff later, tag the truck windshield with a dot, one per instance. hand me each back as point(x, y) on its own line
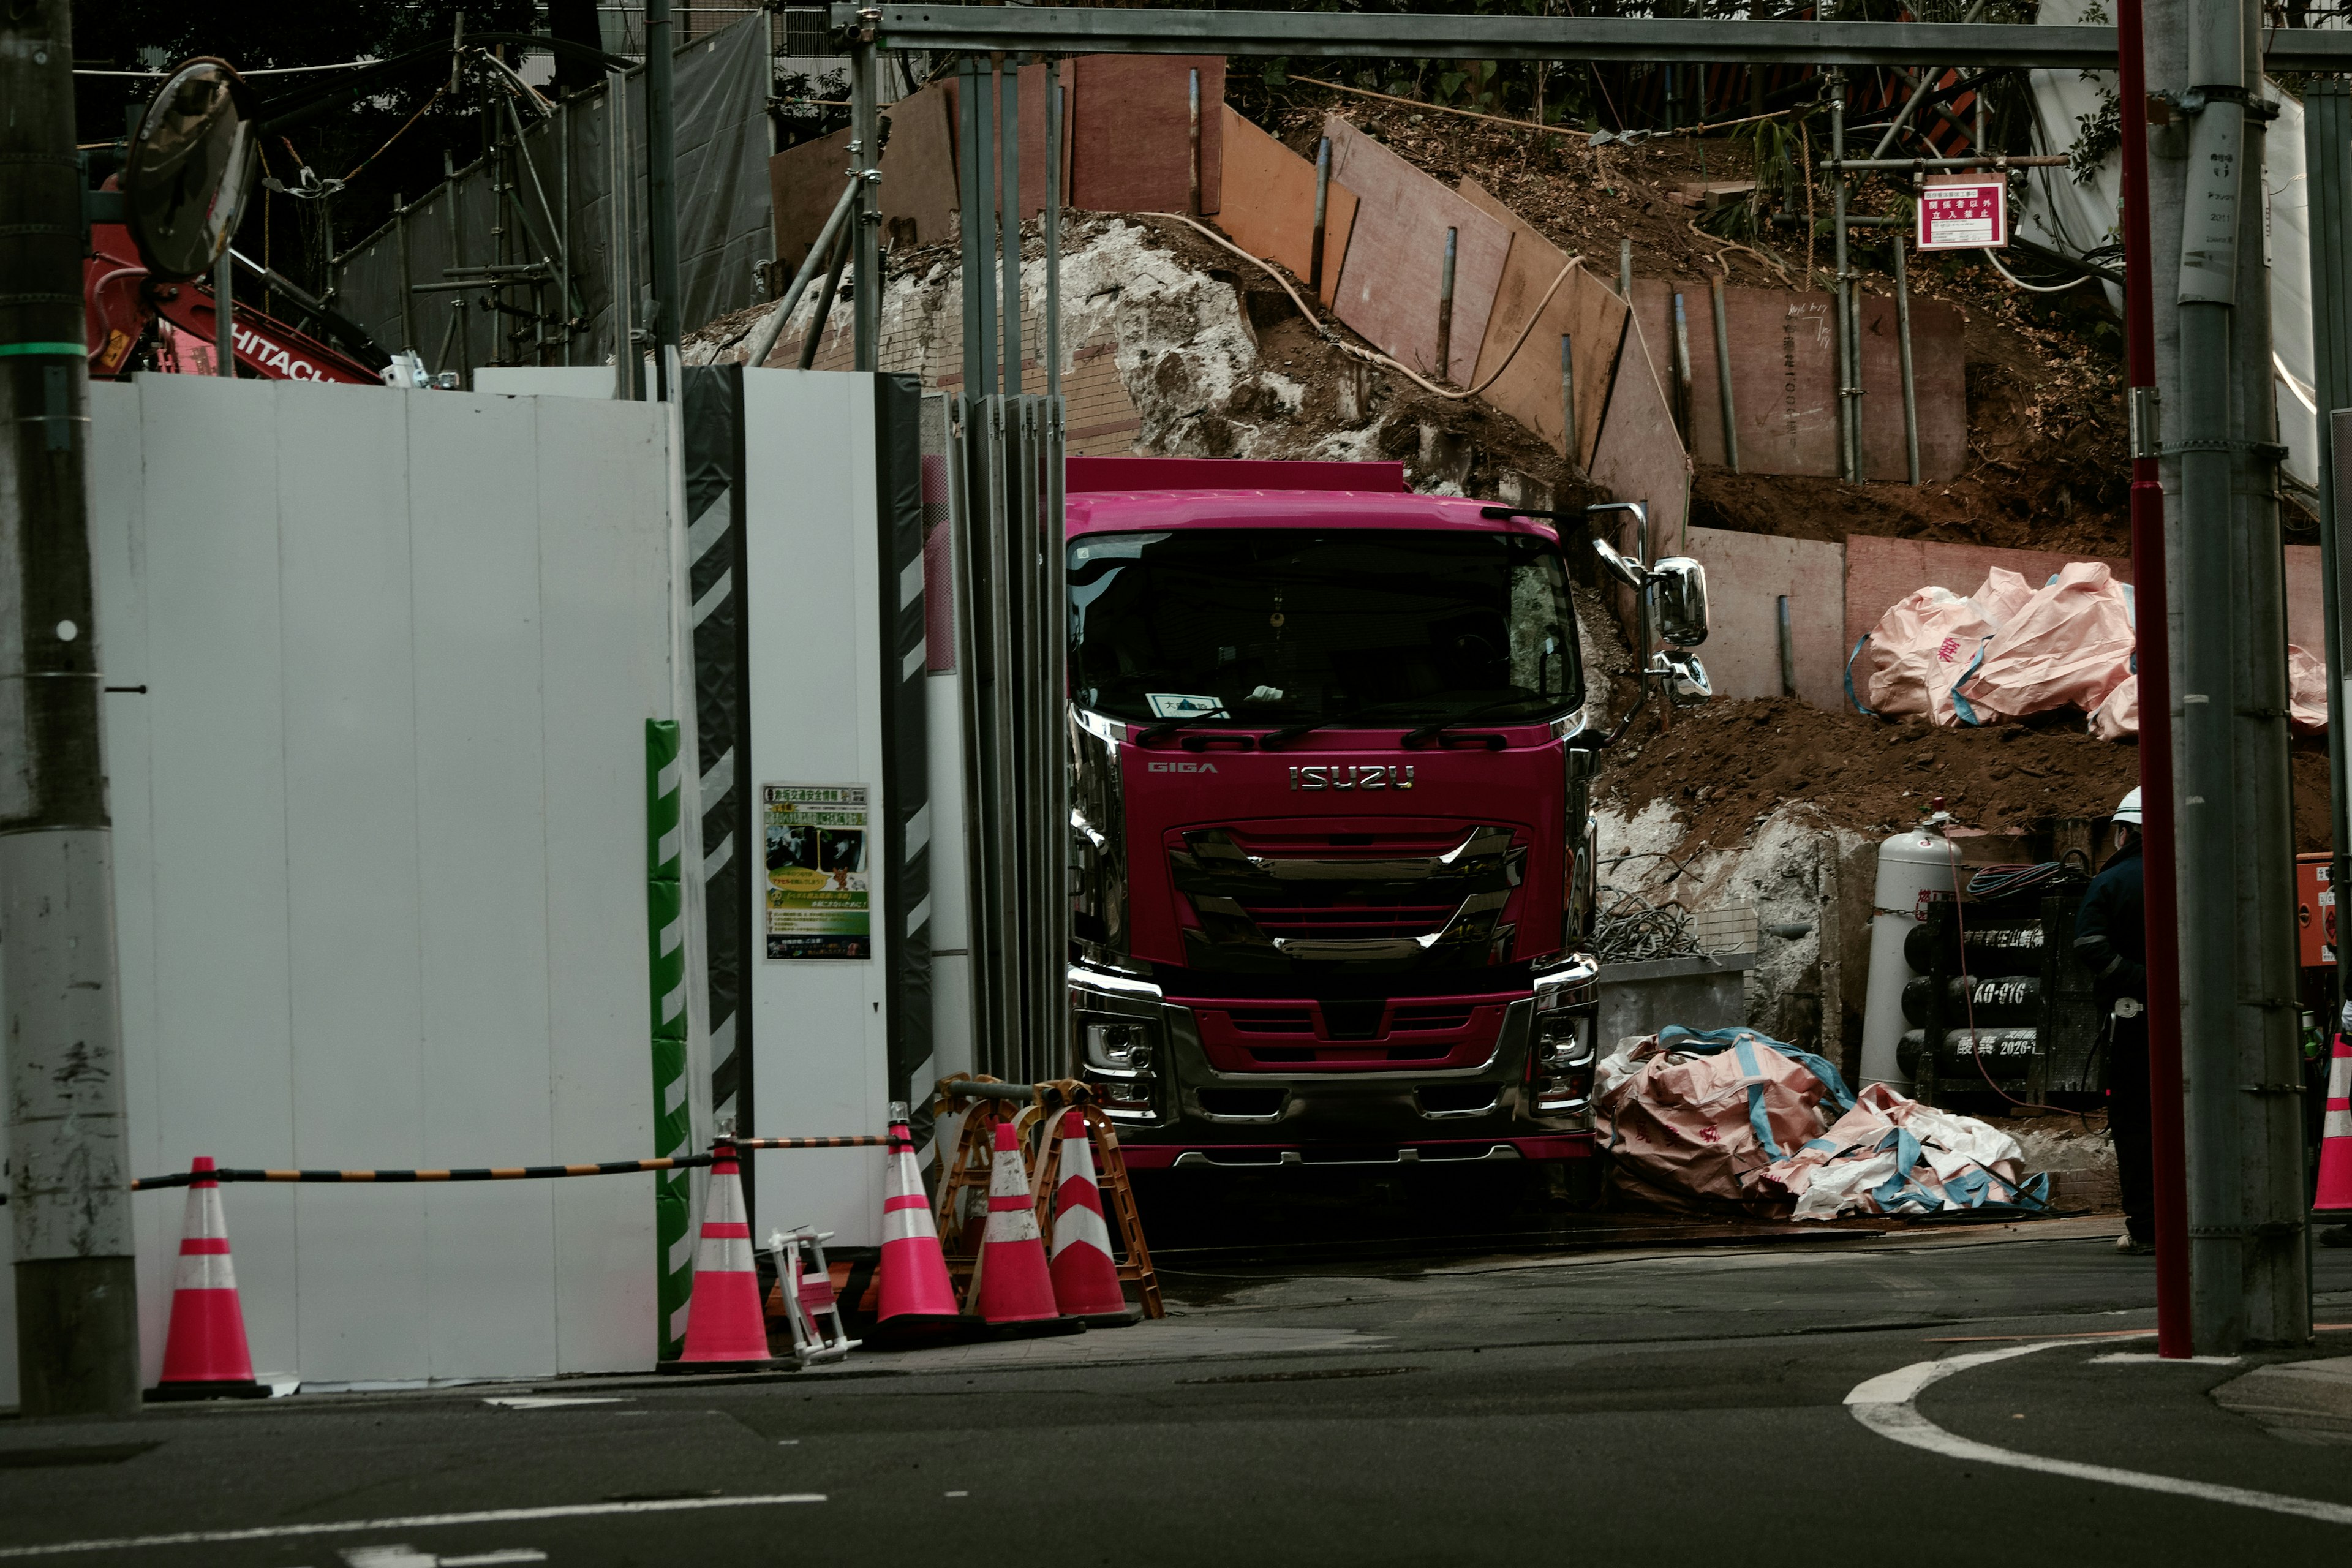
point(1284, 626)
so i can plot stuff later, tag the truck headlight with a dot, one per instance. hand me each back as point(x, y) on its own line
point(1119, 1046)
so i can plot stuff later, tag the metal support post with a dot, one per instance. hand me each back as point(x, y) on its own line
point(407, 282)
point(1445, 308)
point(1570, 448)
point(224, 315)
point(1903, 349)
point(1625, 270)
point(1846, 357)
point(977, 113)
point(1008, 233)
point(2327, 152)
point(1322, 209)
point(1193, 197)
point(866, 222)
point(1723, 378)
point(1686, 417)
point(621, 240)
point(661, 195)
point(68, 1177)
point(1052, 227)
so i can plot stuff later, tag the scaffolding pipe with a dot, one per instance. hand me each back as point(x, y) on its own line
point(1848, 383)
point(866, 233)
point(1008, 234)
point(1903, 349)
point(1445, 310)
point(1052, 227)
point(1322, 208)
point(763, 338)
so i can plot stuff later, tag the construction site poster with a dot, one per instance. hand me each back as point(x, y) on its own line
point(819, 905)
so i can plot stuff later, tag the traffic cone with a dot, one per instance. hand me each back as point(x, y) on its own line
point(1016, 1284)
point(725, 1331)
point(205, 1354)
point(914, 1271)
point(2334, 1196)
point(1085, 1278)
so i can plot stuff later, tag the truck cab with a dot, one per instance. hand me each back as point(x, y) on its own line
point(1332, 850)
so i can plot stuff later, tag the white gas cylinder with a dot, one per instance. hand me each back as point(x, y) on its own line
point(1911, 866)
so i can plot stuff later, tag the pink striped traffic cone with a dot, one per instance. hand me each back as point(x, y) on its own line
point(914, 1271)
point(725, 1330)
point(1085, 1277)
point(2334, 1196)
point(1016, 1284)
point(205, 1354)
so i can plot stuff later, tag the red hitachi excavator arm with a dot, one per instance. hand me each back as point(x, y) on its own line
point(121, 301)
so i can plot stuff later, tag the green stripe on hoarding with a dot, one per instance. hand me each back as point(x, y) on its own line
point(665, 1019)
point(79, 350)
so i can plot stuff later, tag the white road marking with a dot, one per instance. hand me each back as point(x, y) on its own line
point(405, 1556)
point(1884, 1404)
point(491, 1559)
point(955, 1494)
point(552, 1401)
point(411, 1521)
point(2120, 1358)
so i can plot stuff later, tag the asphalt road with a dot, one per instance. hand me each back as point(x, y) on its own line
point(1648, 1405)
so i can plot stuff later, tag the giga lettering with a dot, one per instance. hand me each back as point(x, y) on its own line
point(268, 356)
point(1380, 776)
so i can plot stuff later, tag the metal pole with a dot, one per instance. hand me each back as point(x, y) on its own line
point(1570, 448)
point(1445, 310)
point(1193, 169)
point(1903, 349)
point(972, 211)
point(1788, 649)
point(1849, 461)
point(2158, 719)
point(866, 235)
point(661, 192)
point(1008, 234)
point(832, 287)
point(832, 240)
point(1625, 270)
point(2327, 152)
point(1322, 209)
point(463, 319)
point(622, 240)
point(1723, 378)
point(69, 1179)
point(224, 315)
point(1053, 235)
point(408, 298)
point(566, 293)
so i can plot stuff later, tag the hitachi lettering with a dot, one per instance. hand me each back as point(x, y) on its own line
point(1160, 767)
point(1391, 776)
point(252, 346)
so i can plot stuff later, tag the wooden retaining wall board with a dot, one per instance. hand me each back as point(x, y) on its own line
point(1784, 385)
point(1638, 456)
point(1396, 255)
point(1747, 576)
point(1583, 307)
point(918, 176)
point(1032, 93)
point(1268, 204)
point(1130, 136)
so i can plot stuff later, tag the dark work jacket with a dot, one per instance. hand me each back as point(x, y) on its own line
point(2111, 928)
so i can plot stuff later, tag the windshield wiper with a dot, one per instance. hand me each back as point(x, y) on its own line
point(1415, 739)
point(1167, 727)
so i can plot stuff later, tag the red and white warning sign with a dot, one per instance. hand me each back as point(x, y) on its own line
point(1964, 212)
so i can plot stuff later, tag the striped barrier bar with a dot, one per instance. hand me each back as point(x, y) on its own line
point(857, 1141)
point(467, 1173)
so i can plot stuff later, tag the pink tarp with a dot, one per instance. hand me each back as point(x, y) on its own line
point(2066, 646)
point(1910, 660)
point(2306, 701)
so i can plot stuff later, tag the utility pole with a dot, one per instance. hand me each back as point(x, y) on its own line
point(2247, 1261)
point(69, 1188)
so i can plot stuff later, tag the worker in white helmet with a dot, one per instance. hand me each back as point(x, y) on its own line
point(2111, 937)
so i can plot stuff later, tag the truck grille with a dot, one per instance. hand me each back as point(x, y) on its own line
point(1350, 1034)
point(1429, 897)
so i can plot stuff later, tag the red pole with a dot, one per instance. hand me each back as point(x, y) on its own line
point(2163, 901)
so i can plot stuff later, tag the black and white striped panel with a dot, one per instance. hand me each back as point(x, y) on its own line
point(906, 749)
point(714, 508)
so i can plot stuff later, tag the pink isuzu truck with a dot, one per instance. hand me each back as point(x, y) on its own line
point(1332, 850)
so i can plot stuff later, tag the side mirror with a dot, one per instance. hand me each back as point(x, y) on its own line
point(1625, 571)
point(1681, 600)
point(1682, 676)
